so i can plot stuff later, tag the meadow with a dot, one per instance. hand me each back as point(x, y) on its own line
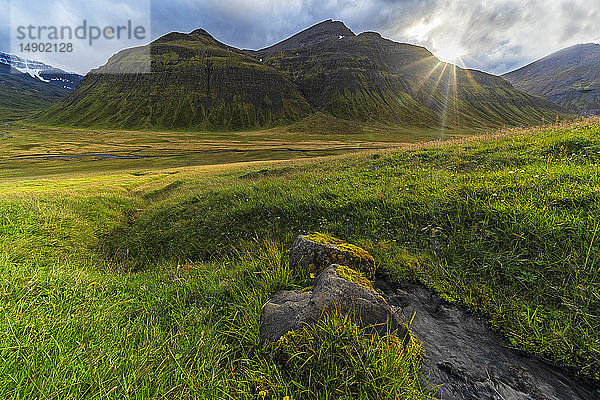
point(146, 280)
point(30, 150)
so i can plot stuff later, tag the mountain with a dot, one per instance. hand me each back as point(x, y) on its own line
point(43, 72)
point(570, 77)
point(371, 79)
point(22, 94)
point(194, 81)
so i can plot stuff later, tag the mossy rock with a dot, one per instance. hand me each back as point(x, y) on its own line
point(351, 275)
point(337, 291)
point(317, 251)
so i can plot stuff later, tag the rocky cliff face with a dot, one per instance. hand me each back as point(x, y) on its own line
point(570, 77)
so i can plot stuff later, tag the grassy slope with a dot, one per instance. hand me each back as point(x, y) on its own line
point(16, 105)
point(21, 95)
point(505, 225)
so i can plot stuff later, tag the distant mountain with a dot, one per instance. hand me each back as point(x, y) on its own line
point(43, 72)
point(24, 93)
point(570, 77)
point(197, 82)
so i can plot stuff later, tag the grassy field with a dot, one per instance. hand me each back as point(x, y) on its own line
point(30, 150)
point(147, 282)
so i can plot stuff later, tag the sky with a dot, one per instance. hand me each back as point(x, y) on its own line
point(491, 35)
point(85, 54)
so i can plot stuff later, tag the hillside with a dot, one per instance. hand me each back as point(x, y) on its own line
point(371, 79)
point(197, 82)
point(193, 81)
point(570, 77)
point(149, 283)
point(21, 94)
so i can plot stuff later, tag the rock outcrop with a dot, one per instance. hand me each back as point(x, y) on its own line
point(337, 291)
point(317, 251)
point(462, 358)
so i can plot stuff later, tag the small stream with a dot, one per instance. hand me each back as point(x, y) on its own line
point(189, 153)
point(464, 359)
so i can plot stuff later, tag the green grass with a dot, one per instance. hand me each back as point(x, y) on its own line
point(14, 106)
point(328, 355)
point(150, 285)
point(23, 96)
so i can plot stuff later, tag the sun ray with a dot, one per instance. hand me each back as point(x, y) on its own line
point(426, 60)
point(445, 104)
point(437, 83)
point(468, 73)
point(427, 76)
point(455, 93)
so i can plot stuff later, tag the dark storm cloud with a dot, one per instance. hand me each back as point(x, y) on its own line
point(494, 35)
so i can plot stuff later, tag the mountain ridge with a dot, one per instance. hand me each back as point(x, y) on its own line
point(197, 82)
point(182, 81)
point(314, 34)
point(369, 78)
point(569, 77)
point(44, 72)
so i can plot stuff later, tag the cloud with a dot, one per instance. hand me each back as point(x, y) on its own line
point(495, 35)
point(4, 25)
point(492, 35)
point(44, 15)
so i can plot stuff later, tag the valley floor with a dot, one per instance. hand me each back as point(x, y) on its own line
point(147, 281)
point(30, 150)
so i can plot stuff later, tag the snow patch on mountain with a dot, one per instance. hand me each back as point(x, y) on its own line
point(43, 72)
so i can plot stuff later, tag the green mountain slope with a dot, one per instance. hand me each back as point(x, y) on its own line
point(197, 82)
point(570, 77)
point(371, 79)
point(22, 95)
point(194, 81)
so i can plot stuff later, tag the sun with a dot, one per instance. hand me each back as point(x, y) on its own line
point(450, 53)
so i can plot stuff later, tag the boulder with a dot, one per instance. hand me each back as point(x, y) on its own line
point(317, 251)
point(332, 294)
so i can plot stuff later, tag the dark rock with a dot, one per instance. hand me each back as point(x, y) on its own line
point(331, 295)
point(279, 316)
point(317, 251)
point(464, 359)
